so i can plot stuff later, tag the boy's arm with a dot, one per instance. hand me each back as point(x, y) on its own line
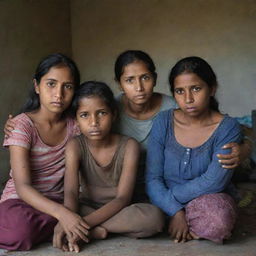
point(124, 190)
point(71, 178)
point(71, 194)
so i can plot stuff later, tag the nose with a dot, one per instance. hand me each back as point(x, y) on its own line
point(93, 120)
point(189, 98)
point(59, 92)
point(139, 86)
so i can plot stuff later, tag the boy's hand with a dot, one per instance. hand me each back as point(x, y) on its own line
point(74, 225)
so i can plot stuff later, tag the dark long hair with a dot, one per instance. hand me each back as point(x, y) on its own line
point(52, 60)
point(94, 88)
point(199, 67)
point(131, 56)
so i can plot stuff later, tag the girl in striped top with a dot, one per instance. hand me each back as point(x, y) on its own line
point(30, 205)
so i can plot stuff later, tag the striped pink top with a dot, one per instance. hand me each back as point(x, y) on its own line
point(47, 163)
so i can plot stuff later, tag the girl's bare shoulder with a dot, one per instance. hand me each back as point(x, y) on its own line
point(132, 146)
point(73, 147)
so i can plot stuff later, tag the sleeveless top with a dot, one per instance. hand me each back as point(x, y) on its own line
point(98, 185)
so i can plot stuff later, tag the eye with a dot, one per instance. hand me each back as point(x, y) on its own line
point(178, 91)
point(196, 88)
point(84, 115)
point(69, 86)
point(146, 77)
point(50, 83)
point(129, 80)
point(102, 113)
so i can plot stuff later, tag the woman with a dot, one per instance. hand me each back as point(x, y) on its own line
point(184, 176)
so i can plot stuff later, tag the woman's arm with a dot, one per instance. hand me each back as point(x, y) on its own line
point(159, 194)
point(239, 152)
point(22, 179)
point(216, 178)
point(9, 126)
point(19, 158)
point(124, 190)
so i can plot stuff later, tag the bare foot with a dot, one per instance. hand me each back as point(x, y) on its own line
point(194, 236)
point(98, 233)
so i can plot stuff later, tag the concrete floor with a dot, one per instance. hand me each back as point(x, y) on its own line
point(242, 243)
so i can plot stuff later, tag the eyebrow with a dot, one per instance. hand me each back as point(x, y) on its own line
point(52, 79)
point(148, 73)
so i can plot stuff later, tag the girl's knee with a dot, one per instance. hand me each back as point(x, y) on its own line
point(23, 236)
point(27, 228)
point(211, 216)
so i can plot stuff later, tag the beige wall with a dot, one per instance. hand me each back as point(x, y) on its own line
point(222, 32)
point(29, 30)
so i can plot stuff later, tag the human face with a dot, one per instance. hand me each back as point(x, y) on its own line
point(137, 82)
point(56, 89)
point(192, 94)
point(94, 118)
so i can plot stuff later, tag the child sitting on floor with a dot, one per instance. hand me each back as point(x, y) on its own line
point(101, 168)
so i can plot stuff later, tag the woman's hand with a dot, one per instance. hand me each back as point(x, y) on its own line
point(73, 244)
point(178, 227)
point(232, 160)
point(74, 225)
point(9, 126)
point(58, 238)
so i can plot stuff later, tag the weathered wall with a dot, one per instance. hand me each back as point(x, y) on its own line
point(29, 30)
point(222, 32)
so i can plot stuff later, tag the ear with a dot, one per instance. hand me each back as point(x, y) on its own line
point(36, 86)
point(114, 116)
point(119, 84)
point(213, 91)
point(120, 87)
point(76, 122)
point(155, 78)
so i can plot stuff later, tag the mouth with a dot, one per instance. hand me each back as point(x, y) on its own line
point(142, 96)
point(190, 109)
point(94, 133)
point(57, 104)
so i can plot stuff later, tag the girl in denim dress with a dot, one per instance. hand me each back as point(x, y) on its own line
point(184, 176)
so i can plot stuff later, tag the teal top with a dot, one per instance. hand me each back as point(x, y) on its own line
point(139, 130)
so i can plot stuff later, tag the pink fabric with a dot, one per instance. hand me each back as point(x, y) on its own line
point(22, 226)
point(47, 163)
point(212, 216)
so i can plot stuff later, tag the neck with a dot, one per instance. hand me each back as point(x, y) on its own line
point(46, 117)
point(137, 109)
point(103, 143)
point(203, 119)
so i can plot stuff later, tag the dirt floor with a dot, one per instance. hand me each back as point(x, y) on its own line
point(242, 243)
